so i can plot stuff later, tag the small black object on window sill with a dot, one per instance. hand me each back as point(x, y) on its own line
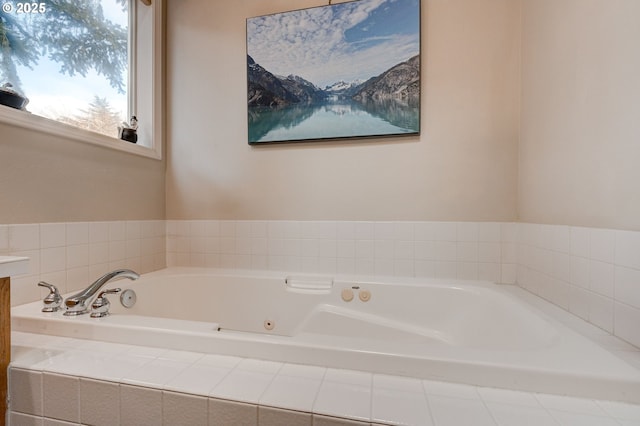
point(129, 135)
point(11, 98)
point(128, 131)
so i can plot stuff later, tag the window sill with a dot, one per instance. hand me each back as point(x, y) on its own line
point(37, 123)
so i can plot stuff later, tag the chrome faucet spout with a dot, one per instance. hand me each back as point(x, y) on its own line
point(79, 303)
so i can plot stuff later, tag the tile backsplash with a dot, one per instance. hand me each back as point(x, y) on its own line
point(72, 255)
point(464, 250)
point(593, 273)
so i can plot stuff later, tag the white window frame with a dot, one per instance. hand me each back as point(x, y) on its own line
point(146, 81)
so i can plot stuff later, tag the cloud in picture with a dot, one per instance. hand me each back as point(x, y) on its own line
point(343, 42)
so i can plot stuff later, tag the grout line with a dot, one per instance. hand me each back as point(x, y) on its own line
point(428, 402)
point(484, 404)
point(315, 399)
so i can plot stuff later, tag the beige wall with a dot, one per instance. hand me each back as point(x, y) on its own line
point(49, 179)
point(462, 167)
point(577, 116)
point(580, 134)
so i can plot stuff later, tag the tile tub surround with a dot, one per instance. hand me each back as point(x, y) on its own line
point(464, 250)
point(113, 384)
point(72, 255)
point(569, 266)
point(593, 273)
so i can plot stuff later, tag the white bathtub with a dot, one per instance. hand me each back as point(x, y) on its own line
point(460, 331)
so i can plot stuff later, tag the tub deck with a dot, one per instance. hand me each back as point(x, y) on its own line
point(562, 360)
point(216, 386)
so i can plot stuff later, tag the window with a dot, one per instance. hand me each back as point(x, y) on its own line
point(78, 61)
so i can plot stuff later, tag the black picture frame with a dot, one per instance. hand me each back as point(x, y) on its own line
point(336, 72)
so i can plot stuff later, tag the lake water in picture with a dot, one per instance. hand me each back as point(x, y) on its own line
point(332, 119)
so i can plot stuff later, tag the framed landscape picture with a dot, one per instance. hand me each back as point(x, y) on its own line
point(349, 70)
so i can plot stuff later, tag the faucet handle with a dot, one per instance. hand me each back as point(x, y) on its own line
point(53, 300)
point(100, 306)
